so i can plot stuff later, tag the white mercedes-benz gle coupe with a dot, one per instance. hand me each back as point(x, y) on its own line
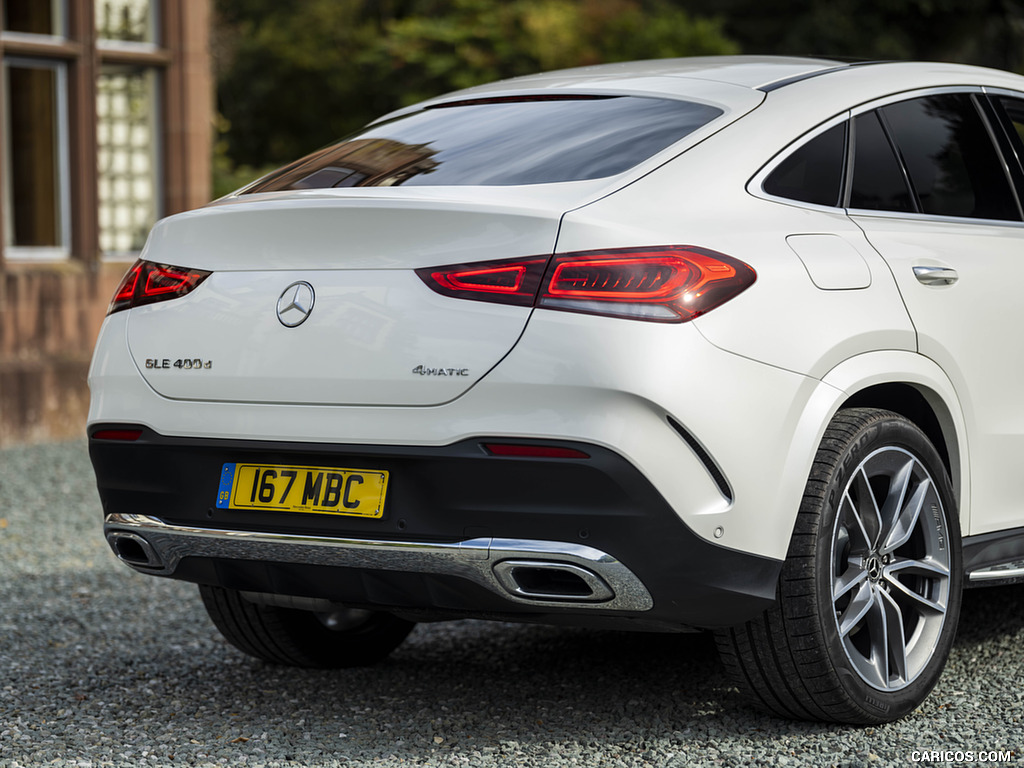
point(713, 343)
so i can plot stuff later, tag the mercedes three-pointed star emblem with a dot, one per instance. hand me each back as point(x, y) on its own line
point(295, 304)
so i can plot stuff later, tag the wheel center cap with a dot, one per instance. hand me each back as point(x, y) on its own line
point(873, 565)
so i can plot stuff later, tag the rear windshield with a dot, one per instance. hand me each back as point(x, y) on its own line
point(499, 142)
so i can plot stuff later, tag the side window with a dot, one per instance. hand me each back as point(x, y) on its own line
point(1014, 111)
point(814, 172)
point(878, 181)
point(949, 155)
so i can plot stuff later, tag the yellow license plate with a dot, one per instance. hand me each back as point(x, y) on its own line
point(322, 490)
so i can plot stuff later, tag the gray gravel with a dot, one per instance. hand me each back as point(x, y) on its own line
point(100, 666)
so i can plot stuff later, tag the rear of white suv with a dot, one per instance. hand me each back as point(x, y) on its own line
point(580, 348)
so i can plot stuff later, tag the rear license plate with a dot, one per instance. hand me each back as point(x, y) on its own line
point(321, 490)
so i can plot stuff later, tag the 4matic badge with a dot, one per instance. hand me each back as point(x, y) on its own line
point(422, 370)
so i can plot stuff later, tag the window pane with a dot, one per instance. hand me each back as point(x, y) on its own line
point(128, 20)
point(33, 157)
point(500, 142)
point(950, 157)
point(814, 172)
point(1015, 113)
point(878, 183)
point(127, 156)
point(37, 17)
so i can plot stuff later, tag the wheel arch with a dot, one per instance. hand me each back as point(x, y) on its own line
point(921, 406)
point(917, 389)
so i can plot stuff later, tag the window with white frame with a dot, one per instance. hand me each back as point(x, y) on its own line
point(34, 17)
point(127, 128)
point(132, 21)
point(127, 159)
point(36, 209)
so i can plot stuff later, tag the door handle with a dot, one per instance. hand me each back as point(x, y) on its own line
point(936, 275)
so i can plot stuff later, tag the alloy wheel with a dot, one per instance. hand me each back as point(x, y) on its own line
point(890, 568)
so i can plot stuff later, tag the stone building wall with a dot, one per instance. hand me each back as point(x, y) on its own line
point(50, 315)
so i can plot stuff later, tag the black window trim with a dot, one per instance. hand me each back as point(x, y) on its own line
point(978, 96)
point(986, 109)
point(901, 161)
point(1001, 129)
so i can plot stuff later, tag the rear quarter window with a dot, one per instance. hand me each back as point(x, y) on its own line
point(814, 172)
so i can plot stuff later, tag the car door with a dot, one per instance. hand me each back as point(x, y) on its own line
point(933, 194)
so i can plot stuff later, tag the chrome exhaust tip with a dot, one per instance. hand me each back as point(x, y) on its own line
point(552, 582)
point(134, 550)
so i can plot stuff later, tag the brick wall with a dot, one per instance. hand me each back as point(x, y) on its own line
point(49, 317)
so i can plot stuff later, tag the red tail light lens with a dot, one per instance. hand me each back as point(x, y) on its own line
point(663, 284)
point(148, 283)
point(502, 282)
point(658, 284)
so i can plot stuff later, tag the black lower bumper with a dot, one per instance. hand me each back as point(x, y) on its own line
point(451, 514)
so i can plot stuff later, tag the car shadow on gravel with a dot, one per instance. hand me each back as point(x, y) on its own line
point(990, 612)
point(459, 687)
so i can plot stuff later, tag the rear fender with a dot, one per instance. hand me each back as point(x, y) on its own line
point(897, 367)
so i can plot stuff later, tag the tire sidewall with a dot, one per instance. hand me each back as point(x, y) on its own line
point(890, 430)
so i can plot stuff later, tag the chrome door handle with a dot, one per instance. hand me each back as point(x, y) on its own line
point(936, 275)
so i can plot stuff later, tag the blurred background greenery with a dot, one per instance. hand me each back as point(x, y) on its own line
point(293, 76)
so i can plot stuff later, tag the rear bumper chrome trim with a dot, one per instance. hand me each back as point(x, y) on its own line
point(474, 559)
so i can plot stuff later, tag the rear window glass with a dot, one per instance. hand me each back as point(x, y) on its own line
point(499, 142)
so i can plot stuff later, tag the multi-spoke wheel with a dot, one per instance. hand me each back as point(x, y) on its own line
point(870, 592)
point(890, 569)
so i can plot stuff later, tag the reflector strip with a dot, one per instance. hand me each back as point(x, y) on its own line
point(534, 451)
point(127, 435)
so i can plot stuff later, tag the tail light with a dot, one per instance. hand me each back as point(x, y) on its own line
point(663, 284)
point(501, 282)
point(148, 283)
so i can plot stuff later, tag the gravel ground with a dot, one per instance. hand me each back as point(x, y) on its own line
point(100, 666)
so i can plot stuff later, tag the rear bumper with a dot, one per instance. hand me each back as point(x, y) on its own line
point(582, 540)
point(591, 578)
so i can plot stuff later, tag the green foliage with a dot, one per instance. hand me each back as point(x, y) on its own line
point(294, 76)
point(479, 40)
point(985, 32)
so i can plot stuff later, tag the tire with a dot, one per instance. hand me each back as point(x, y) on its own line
point(299, 638)
point(869, 597)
